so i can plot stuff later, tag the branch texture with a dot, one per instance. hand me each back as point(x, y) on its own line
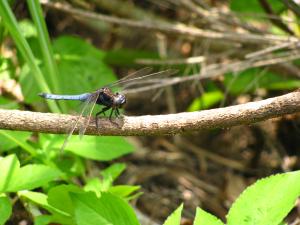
point(248, 113)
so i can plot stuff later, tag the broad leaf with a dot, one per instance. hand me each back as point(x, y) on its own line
point(99, 148)
point(13, 178)
point(11, 139)
point(266, 202)
point(108, 209)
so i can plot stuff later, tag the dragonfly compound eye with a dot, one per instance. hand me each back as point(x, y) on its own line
point(120, 99)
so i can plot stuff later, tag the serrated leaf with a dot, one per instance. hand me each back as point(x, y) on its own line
point(175, 217)
point(108, 209)
point(5, 209)
point(204, 218)
point(267, 202)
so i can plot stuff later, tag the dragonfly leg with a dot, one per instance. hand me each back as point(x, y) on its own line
point(117, 113)
point(112, 110)
point(101, 112)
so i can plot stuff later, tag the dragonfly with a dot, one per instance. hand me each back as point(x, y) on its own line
point(105, 97)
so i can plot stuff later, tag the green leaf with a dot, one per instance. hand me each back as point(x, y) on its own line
point(266, 202)
point(10, 22)
point(113, 171)
point(60, 194)
point(108, 209)
point(99, 148)
point(251, 79)
point(5, 209)
point(8, 104)
point(175, 217)
point(41, 200)
point(205, 218)
point(206, 101)
point(123, 191)
point(252, 6)
point(127, 57)
point(13, 178)
point(44, 42)
point(81, 66)
point(27, 28)
point(109, 175)
point(7, 68)
point(96, 186)
point(37, 198)
point(11, 139)
point(61, 213)
point(43, 220)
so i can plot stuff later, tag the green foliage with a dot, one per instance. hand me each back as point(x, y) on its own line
point(69, 65)
point(206, 100)
point(267, 202)
point(253, 6)
point(251, 79)
point(82, 207)
point(99, 148)
point(108, 209)
point(12, 26)
point(11, 139)
point(174, 218)
point(203, 217)
point(5, 208)
point(127, 57)
point(15, 178)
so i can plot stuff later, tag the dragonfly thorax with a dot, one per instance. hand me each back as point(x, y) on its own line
point(109, 99)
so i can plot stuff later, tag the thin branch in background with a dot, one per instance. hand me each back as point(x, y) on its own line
point(189, 60)
point(215, 70)
point(172, 28)
point(271, 49)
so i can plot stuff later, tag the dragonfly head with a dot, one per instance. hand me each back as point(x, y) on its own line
point(120, 100)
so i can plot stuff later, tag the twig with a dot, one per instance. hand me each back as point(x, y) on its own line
point(171, 28)
point(170, 124)
point(216, 70)
point(271, 49)
point(190, 60)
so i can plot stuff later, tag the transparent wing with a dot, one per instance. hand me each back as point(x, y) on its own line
point(87, 109)
point(88, 113)
point(147, 82)
point(132, 76)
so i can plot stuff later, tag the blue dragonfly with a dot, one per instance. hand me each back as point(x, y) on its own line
point(104, 96)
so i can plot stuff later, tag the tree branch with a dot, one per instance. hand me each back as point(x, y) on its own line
point(248, 113)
